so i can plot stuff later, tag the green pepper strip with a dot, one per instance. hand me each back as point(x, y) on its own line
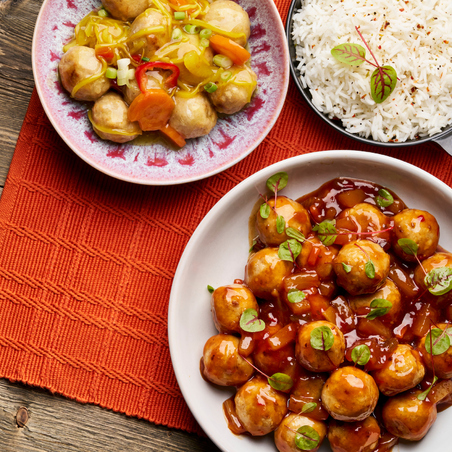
point(170, 82)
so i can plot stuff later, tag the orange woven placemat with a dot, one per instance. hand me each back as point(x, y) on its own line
point(88, 261)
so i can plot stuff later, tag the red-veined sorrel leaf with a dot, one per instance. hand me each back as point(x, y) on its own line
point(351, 54)
point(382, 83)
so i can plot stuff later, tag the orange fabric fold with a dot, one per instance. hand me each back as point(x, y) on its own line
point(88, 261)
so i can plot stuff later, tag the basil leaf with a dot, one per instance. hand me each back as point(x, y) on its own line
point(294, 234)
point(351, 54)
point(295, 296)
point(439, 339)
point(280, 224)
point(277, 182)
point(280, 382)
point(361, 354)
point(289, 250)
point(306, 438)
point(382, 83)
point(347, 268)
point(384, 198)
point(249, 321)
point(308, 407)
point(264, 210)
point(439, 280)
point(408, 246)
point(370, 269)
point(322, 338)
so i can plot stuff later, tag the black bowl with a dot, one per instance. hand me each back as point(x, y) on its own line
point(443, 138)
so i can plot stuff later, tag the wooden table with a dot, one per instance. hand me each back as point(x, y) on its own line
point(33, 419)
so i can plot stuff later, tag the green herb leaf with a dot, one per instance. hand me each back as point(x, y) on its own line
point(252, 246)
point(379, 307)
point(249, 321)
point(351, 54)
point(295, 296)
point(322, 338)
point(361, 354)
point(280, 382)
point(384, 198)
point(439, 280)
point(210, 289)
point(306, 438)
point(408, 246)
point(382, 83)
point(289, 250)
point(308, 407)
point(326, 230)
point(347, 268)
point(439, 339)
point(264, 210)
point(294, 234)
point(277, 182)
point(423, 395)
point(280, 224)
point(370, 269)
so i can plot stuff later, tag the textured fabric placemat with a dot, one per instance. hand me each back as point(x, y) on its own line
point(87, 261)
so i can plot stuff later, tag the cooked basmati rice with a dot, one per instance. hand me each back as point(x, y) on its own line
point(414, 37)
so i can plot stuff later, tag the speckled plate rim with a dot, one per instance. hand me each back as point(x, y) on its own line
point(216, 255)
point(273, 86)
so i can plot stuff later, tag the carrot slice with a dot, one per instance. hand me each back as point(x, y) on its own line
point(152, 109)
point(173, 135)
point(229, 48)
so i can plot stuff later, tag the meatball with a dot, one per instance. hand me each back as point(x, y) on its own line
point(132, 91)
point(125, 9)
point(353, 273)
point(294, 214)
point(109, 115)
point(232, 96)
point(360, 304)
point(361, 436)
point(222, 364)
point(442, 364)
point(408, 417)
point(265, 271)
point(350, 394)
point(287, 431)
point(228, 304)
point(419, 226)
point(78, 64)
point(403, 371)
point(150, 18)
point(319, 360)
point(364, 218)
point(193, 116)
point(436, 261)
point(231, 17)
point(259, 407)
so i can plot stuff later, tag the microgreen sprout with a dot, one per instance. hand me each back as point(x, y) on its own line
point(347, 268)
point(361, 354)
point(295, 296)
point(379, 307)
point(278, 381)
point(423, 395)
point(437, 341)
point(369, 267)
point(250, 322)
point(384, 198)
point(295, 234)
point(289, 250)
point(322, 338)
point(326, 231)
point(274, 183)
point(307, 438)
point(210, 289)
point(383, 79)
point(308, 407)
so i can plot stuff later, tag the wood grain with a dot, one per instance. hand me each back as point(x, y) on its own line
point(55, 423)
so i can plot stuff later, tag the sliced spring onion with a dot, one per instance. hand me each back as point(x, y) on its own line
point(210, 87)
point(225, 76)
point(205, 33)
point(192, 29)
point(222, 61)
point(204, 42)
point(102, 12)
point(111, 73)
point(179, 15)
point(131, 74)
point(123, 63)
point(145, 59)
point(177, 34)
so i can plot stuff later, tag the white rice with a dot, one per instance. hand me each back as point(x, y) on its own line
point(412, 36)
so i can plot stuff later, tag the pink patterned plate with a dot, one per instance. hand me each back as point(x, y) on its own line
point(152, 162)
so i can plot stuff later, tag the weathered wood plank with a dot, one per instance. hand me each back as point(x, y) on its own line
point(57, 424)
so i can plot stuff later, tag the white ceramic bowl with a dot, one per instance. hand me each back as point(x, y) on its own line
point(216, 255)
